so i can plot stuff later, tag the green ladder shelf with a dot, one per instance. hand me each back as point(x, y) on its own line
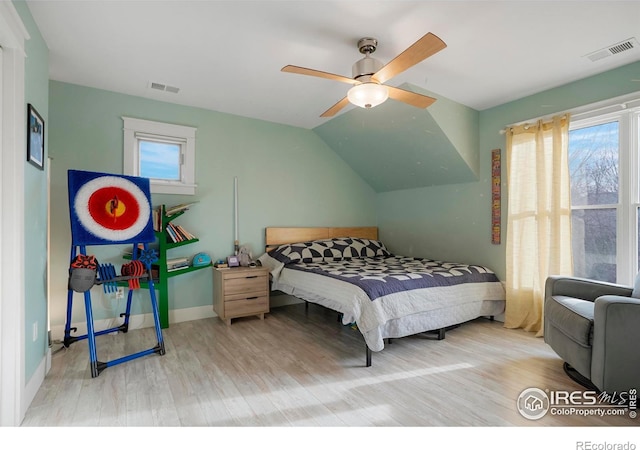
point(162, 281)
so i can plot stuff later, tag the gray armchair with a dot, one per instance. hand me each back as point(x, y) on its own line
point(595, 328)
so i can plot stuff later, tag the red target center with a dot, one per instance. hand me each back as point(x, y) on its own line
point(114, 208)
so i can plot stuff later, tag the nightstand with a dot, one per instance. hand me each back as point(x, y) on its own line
point(240, 292)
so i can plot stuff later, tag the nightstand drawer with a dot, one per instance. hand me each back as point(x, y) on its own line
point(246, 305)
point(246, 283)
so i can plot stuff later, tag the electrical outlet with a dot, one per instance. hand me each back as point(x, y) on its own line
point(120, 293)
point(35, 331)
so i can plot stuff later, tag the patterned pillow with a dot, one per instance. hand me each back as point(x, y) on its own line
point(329, 250)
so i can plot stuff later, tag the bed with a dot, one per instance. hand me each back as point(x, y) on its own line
point(387, 296)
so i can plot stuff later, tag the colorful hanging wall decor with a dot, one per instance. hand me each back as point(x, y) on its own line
point(495, 196)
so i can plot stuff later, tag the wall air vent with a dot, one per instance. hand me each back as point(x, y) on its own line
point(163, 87)
point(615, 49)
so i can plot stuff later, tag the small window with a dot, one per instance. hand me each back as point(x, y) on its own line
point(162, 152)
point(160, 160)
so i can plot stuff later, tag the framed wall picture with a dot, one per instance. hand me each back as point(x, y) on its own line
point(35, 137)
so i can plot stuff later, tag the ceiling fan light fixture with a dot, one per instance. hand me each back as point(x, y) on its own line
point(368, 95)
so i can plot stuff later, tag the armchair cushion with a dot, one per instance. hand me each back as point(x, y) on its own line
point(573, 317)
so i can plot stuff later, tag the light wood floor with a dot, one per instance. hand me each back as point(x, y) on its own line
point(298, 369)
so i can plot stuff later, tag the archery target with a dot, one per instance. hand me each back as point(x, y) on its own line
point(109, 209)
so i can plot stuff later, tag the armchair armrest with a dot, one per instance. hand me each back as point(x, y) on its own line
point(583, 288)
point(616, 336)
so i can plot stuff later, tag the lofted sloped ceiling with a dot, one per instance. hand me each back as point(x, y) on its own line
point(227, 55)
point(395, 146)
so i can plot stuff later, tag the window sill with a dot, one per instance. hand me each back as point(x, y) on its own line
point(158, 187)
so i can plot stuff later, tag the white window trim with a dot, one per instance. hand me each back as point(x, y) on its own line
point(132, 127)
point(626, 112)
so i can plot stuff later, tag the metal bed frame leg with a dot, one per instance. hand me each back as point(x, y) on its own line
point(368, 355)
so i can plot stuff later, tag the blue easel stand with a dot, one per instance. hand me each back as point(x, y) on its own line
point(98, 366)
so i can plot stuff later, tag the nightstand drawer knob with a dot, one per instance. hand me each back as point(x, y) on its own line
point(252, 298)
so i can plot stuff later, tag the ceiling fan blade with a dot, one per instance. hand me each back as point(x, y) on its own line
point(424, 47)
point(318, 73)
point(410, 98)
point(335, 108)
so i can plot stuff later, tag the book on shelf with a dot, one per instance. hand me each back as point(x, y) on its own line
point(177, 260)
point(171, 210)
point(177, 233)
point(156, 215)
point(185, 233)
point(172, 234)
point(176, 263)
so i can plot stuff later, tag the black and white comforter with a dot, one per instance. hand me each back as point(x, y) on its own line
point(379, 276)
point(384, 294)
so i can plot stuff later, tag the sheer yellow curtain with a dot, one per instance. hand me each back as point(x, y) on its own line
point(539, 218)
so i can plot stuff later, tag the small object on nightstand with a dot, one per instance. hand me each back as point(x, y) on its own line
point(233, 261)
point(244, 256)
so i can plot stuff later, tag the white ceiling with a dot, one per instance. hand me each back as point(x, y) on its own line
point(227, 55)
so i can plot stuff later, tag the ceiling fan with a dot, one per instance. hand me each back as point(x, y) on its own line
point(369, 75)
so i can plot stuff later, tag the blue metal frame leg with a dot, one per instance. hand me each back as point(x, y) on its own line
point(98, 366)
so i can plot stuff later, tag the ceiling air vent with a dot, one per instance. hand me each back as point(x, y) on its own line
point(614, 49)
point(163, 87)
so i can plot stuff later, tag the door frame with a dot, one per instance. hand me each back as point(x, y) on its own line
point(12, 161)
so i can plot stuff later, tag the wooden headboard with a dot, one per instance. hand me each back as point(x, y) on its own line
point(275, 236)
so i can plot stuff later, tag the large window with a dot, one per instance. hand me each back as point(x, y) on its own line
point(603, 164)
point(164, 153)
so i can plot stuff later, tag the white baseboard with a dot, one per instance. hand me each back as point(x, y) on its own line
point(136, 321)
point(175, 316)
point(36, 380)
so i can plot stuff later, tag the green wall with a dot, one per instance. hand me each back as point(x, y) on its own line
point(287, 176)
point(453, 222)
point(35, 201)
